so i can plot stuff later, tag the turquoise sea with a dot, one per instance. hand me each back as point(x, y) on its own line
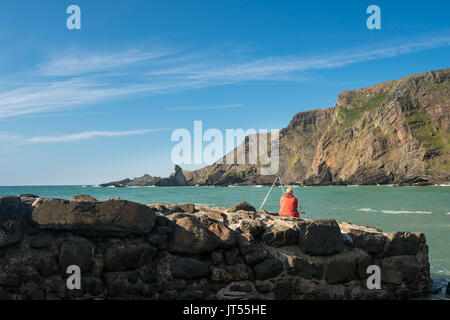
point(424, 209)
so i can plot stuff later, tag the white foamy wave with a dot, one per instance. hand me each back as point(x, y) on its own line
point(258, 186)
point(393, 211)
point(404, 211)
point(443, 185)
point(367, 210)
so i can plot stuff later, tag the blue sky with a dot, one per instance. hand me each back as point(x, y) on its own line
point(99, 104)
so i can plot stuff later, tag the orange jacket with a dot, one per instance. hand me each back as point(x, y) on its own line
point(288, 206)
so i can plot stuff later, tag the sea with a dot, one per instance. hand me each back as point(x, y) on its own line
point(390, 208)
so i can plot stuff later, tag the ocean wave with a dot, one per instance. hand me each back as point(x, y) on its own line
point(258, 186)
point(404, 211)
point(393, 211)
point(367, 210)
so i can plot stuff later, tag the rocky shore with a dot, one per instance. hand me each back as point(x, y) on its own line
point(127, 250)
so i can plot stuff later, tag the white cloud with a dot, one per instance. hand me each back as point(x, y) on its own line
point(10, 140)
point(88, 135)
point(85, 79)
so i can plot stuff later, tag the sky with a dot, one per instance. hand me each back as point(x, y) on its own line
point(100, 103)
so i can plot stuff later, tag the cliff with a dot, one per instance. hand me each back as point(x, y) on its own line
point(127, 250)
point(395, 132)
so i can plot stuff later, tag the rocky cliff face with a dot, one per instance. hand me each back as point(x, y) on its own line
point(395, 132)
point(127, 250)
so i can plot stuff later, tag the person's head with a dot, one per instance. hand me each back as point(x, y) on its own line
point(288, 191)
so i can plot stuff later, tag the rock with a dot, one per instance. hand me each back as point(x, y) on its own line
point(280, 235)
point(111, 217)
point(363, 263)
point(396, 269)
point(269, 268)
point(283, 290)
point(79, 252)
point(370, 242)
point(191, 237)
point(263, 288)
point(188, 207)
point(341, 270)
point(83, 197)
point(47, 266)
point(217, 257)
point(165, 208)
point(123, 257)
point(305, 268)
point(13, 215)
point(251, 250)
point(188, 268)
point(447, 291)
point(242, 206)
point(252, 226)
point(229, 274)
point(225, 237)
point(175, 179)
point(404, 243)
point(231, 256)
point(41, 241)
point(116, 288)
point(321, 237)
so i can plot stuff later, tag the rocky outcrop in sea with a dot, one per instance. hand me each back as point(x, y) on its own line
point(127, 250)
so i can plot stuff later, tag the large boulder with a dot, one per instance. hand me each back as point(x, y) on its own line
point(321, 237)
point(191, 237)
point(188, 268)
point(405, 243)
point(280, 235)
point(124, 257)
point(13, 215)
point(115, 217)
point(371, 242)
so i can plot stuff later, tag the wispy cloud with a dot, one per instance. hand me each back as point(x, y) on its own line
point(9, 140)
point(226, 106)
point(71, 64)
point(86, 79)
point(88, 135)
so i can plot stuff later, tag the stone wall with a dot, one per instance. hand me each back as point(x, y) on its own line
point(127, 250)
